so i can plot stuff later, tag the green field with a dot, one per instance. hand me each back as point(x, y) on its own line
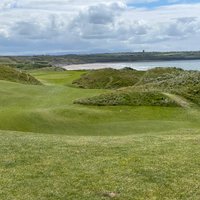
point(54, 149)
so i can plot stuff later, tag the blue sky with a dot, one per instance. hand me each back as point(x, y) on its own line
point(157, 3)
point(92, 26)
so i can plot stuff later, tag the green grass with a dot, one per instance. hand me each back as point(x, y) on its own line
point(141, 88)
point(10, 74)
point(50, 109)
point(55, 167)
point(109, 78)
point(52, 149)
point(134, 98)
point(173, 80)
point(49, 77)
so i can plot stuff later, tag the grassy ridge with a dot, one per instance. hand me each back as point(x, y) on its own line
point(147, 87)
point(173, 80)
point(134, 98)
point(10, 74)
point(108, 78)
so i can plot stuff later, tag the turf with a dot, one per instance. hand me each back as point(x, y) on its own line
point(49, 77)
point(55, 167)
point(53, 149)
point(50, 109)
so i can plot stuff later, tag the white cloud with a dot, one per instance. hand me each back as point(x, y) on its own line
point(7, 4)
point(95, 25)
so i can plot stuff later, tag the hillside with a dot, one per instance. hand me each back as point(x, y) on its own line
point(131, 98)
point(10, 74)
point(108, 78)
point(50, 109)
point(146, 89)
point(173, 80)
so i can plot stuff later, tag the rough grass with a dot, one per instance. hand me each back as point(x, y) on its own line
point(192, 93)
point(150, 86)
point(160, 75)
point(10, 74)
point(183, 83)
point(108, 78)
point(173, 80)
point(131, 98)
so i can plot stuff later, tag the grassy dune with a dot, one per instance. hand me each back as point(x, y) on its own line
point(10, 74)
point(108, 78)
point(53, 149)
point(135, 98)
point(147, 88)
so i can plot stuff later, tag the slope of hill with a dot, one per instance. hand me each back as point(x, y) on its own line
point(13, 75)
point(173, 80)
point(131, 98)
point(149, 85)
point(109, 78)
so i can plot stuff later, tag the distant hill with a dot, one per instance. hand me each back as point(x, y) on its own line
point(13, 75)
point(41, 61)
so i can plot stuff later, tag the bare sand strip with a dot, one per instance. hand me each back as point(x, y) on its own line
point(102, 66)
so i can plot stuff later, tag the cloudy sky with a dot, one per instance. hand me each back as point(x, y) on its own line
point(90, 26)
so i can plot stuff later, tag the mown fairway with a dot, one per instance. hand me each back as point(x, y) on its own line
point(67, 151)
point(38, 166)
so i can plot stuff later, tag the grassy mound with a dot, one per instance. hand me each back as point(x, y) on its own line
point(173, 80)
point(160, 74)
point(190, 93)
point(158, 80)
point(109, 78)
point(170, 78)
point(13, 75)
point(133, 98)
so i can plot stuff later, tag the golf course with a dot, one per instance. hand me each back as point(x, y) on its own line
point(99, 134)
